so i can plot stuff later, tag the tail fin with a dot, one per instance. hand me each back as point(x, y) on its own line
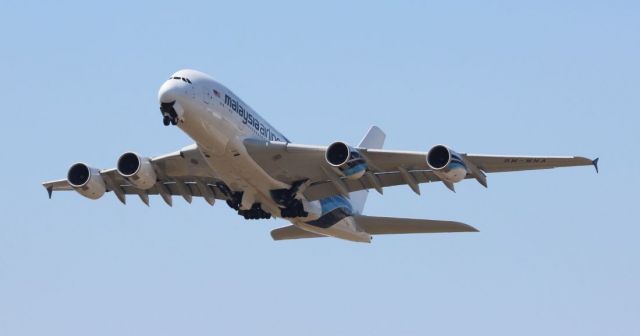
point(374, 139)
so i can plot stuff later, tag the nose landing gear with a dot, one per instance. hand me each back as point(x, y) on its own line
point(169, 114)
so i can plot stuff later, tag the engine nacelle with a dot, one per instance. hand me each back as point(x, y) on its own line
point(347, 159)
point(446, 164)
point(86, 181)
point(137, 170)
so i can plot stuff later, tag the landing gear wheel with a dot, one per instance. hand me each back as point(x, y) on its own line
point(166, 121)
point(255, 212)
point(174, 121)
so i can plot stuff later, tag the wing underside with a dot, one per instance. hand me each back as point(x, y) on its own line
point(183, 173)
point(291, 163)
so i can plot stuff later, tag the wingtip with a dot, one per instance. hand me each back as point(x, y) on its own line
point(49, 191)
point(595, 165)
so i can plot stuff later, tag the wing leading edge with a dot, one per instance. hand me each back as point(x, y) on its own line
point(290, 163)
point(182, 173)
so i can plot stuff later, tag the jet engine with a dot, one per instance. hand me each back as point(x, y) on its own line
point(446, 164)
point(347, 159)
point(137, 170)
point(86, 181)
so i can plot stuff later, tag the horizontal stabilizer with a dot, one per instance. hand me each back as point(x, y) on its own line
point(390, 225)
point(381, 226)
point(292, 232)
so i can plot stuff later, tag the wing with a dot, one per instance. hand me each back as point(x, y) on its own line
point(504, 163)
point(184, 173)
point(292, 163)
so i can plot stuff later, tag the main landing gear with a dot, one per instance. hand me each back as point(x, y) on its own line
point(234, 202)
point(255, 212)
point(293, 207)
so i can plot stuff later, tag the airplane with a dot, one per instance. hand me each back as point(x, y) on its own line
point(239, 158)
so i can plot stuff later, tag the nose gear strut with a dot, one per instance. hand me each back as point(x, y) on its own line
point(170, 116)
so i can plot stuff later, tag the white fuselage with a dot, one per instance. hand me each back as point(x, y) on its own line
point(218, 121)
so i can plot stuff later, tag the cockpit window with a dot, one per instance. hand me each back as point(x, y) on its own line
point(184, 79)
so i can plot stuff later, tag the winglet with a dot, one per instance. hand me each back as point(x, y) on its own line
point(595, 164)
point(50, 191)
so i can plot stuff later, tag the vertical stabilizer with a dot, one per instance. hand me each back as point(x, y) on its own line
point(374, 139)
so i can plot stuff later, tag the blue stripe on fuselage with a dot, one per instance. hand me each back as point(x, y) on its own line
point(334, 209)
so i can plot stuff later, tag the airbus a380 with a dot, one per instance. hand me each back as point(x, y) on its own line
point(240, 158)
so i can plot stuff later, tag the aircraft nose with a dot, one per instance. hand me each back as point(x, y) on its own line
point(169, 96)
point(171, 90)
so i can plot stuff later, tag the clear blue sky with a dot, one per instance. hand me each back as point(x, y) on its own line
point(558, 250)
